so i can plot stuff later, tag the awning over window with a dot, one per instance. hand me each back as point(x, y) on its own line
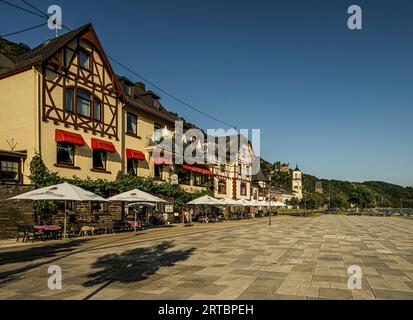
point(197, 169)
point(159, 161)
point(133, 154)
point(65, 136)
point(102, 145)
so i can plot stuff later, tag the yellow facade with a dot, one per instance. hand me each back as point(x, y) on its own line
point(41, 99)
point(19, 116)
point(145, 129)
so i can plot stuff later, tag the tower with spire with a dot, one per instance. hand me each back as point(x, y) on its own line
point(297, 183)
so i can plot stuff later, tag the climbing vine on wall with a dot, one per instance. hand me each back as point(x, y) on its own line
point(41, 176)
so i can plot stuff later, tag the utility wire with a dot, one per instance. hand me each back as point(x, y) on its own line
point(23, 9)
point(24, 30)
point(37, 9)
point(170, 94)
point(39, 14)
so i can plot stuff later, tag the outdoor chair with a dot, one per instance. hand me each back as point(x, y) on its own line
point(126, 226)
point(73, 230)
point(21, 232)
point(116, 226)
point(33, 234)
point(85, 230)
point(56, 234)
point(110, 227)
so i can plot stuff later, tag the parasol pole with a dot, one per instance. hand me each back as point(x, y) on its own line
point(64, 223)
point(135, 219)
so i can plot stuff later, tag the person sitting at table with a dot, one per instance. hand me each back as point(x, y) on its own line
point(98, 219)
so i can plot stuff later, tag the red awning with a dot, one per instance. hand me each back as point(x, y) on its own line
point(133, 154)
point(102, 145)
point(65, 136)
point(197, 169)
point(160, 161)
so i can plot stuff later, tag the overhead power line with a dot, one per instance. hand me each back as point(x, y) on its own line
point(24, 30)
point(37, 9)
point(23, 9)
point(188, 105)
point(170, 95)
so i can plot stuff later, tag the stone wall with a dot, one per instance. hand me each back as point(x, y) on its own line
point(14, 212)
point(85, 213)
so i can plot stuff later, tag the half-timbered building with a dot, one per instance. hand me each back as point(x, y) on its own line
point(63, 101)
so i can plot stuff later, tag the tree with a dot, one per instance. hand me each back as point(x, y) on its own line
point(42, 177)
point(294, 202)
point(339, 200)
point(314, 201)
point(361, 197)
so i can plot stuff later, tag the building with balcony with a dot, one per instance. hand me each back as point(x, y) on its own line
point(63, 101)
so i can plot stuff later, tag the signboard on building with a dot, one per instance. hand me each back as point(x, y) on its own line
point(169, 208)
point(174, 179)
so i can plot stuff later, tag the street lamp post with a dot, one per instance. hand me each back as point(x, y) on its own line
point(329, 198)
point(269, 192)
point(305, 203)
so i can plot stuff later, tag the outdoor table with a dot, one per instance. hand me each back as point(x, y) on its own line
point(133, 224)
point(47, 228)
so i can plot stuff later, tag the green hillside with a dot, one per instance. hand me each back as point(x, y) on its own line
point(345, 193)
point(12, 49)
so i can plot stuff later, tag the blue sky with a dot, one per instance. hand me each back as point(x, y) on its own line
point(338, 102)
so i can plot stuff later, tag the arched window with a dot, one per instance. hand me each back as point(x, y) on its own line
point(222, 186)
point(82, 104)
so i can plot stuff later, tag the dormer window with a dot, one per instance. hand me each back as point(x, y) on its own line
point(84, 59)
point(128, 89)
point(155, 103)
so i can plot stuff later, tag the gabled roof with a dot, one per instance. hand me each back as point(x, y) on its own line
point(150, 92)
point(44, 51)
point(139, 104)
point(259, 177)
point(48, 48)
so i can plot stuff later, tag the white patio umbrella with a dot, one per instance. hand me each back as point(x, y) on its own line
point(255, 203)
point(60, 192)
point(229, 202)
point(136, 204)
point(244, 203)
point(278, 204)
point(136, 196)
point(205, 200)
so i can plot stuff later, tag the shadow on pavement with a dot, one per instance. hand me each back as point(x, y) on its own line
point(28, 256)
point(134, 265)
